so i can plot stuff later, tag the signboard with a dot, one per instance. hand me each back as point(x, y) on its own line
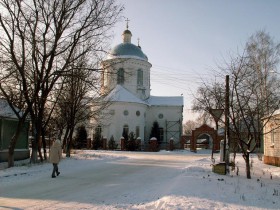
point(216, 113)
point(219, 168)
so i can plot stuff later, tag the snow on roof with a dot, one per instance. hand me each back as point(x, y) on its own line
point(277, 112)
point(125, 50)
point(275, 115)
point(5, 109)
point(166, 100)
point(120, 94)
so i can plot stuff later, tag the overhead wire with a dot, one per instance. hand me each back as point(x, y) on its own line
point(180, 79)
point(177, 78)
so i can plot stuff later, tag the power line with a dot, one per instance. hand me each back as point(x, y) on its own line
point(161, 73)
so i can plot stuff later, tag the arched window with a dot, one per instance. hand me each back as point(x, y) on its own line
point(99, 129)
point(125, 130)
point(161, 134)
point(137, 131)
point(139, 77)
point(120, 79)
point(97, 132)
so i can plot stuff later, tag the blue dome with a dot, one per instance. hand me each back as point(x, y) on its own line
point(128, 50)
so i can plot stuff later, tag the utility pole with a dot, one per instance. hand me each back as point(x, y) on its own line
point(227, 141)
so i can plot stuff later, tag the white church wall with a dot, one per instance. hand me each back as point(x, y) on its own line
point(130, 58)
point(161, 114)
point(123, 113)
point(130, 67)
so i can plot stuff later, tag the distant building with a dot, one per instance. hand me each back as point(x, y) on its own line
point(8, 125)
point(272, 139)
point(126, 80)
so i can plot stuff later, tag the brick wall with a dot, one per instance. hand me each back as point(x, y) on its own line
point(272, 142)
point(271, 160)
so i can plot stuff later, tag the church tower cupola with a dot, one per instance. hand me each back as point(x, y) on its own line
point(127, 34)
point(126, 49)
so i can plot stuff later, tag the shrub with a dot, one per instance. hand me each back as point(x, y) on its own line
point(132, 143)
point(97, 140)
point(112, 144)
point(155, 132)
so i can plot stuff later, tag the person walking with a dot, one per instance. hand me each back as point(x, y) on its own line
point(55, 156)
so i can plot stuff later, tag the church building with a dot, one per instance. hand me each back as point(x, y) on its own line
point(126, 83)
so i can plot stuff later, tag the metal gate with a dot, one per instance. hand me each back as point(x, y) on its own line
point(173, 130)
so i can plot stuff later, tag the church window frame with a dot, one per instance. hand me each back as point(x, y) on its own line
point(98, 129)
point(125, 113)
point(137, 131)
point(120, 76)
point(160, 116)
point(126, 129)
point(140, 77)
point(138, 113)
point(161, 134)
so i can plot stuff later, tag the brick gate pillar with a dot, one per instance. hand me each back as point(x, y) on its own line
point(122, 144)
point(153, 144)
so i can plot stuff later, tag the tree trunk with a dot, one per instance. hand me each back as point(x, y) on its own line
point(44, 144)
point(40, 147)
point(13, 143)
point(11, 152)
point(65, 140)
point(69, 143)
point(34, 155)
point(35, 144)
point(248, 169)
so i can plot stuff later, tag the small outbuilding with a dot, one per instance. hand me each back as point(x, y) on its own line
point(272, 139)
point(8, 125)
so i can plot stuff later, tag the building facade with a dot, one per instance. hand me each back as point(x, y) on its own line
point(126, 83)
point(8, 126)
point(272, 139)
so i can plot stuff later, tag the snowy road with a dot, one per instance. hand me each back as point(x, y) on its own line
point(114, 181)
point(111, 180)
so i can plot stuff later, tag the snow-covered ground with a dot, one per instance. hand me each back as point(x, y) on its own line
point(139, 180)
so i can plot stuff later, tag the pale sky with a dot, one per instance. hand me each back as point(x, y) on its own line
point(185, 39)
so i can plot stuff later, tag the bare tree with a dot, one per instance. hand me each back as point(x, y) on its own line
point(209, 96)
point(80, 100)
point(254, 93)
point(189, 126)
point(41, 39)
point(11, 92)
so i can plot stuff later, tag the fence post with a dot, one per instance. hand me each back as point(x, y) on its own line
point(139, 143)
point(171, 144)
point(153, 144)
point(122, 143)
